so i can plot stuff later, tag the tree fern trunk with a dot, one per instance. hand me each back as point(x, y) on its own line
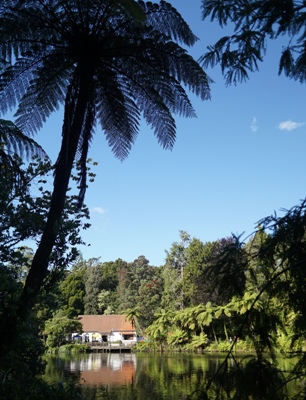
point(76, 104)
point(214, 333)
point(225, 329)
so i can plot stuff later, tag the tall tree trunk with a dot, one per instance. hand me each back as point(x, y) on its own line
point(225, 329)
point(76, 104)
point(214, 333)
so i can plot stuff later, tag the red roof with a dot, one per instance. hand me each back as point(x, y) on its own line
point(105, 323)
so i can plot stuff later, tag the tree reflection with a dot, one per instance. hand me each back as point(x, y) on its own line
point(178, 376)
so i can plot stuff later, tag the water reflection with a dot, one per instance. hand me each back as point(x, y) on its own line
point(169, 376)
point(105, 369)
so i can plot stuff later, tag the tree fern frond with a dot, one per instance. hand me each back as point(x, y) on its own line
point(118, 115)
point(186, 70)
point(166, 19)
point(11, 172)
point(175, 66)
point(286, 62)
point(299, 67)
point(14, 82)
point(222, 10)
point(132, 10)
point(13, 146)
point(44, 94)
point(158, 116)
point(177, 99)
point(17, 143)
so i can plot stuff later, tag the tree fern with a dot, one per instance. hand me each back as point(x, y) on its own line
point(110, 64)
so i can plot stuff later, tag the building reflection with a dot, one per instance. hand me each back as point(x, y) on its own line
point(106, 368)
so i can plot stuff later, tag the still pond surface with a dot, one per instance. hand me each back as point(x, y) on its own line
point(154, 376)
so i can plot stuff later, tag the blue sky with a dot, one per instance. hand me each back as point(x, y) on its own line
point(242, 158)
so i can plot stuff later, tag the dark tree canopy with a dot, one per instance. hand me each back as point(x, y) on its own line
point(254, 22)
point(113, 62)
point(125, 53)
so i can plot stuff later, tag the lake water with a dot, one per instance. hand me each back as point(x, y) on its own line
point(159, 377)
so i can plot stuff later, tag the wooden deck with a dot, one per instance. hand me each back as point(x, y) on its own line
point(111, 348)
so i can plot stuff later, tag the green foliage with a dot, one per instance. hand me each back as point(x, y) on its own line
point(10, 290)
point(225, 272)
point(21, 365)
point(197, 341)
point(93, 284)
point(107, 301)
point(24, 209)
point(140, 287)
point(158, 331)
point(110, 275)
point(196, 286)
point(253, 23)
point(173, 273)
point(197, 273)
point(247, 379)
point(14, 145)
point(149, 297)
point(177, 336)
point(59, 328)
point(71, 348)
point(37, 389)
point(263, 282)
point(148, 346)
point(23, 217)
point(132, 315)
point(108, 297)
point(221, 346)
point(286, 244)
point(72, 291)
